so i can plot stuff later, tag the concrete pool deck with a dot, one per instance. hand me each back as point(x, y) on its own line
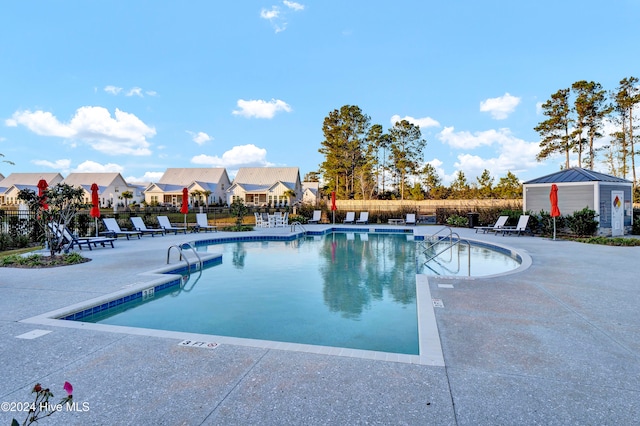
point(558, 343)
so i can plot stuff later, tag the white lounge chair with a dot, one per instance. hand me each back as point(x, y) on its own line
point(113, 229)
point(351, 217)
point(364, 218)
point(500, 223)
point(203, 223)
point(317, 215)
point(139, 225)
point(164, 223)
point(520, 228)
point(410, 219)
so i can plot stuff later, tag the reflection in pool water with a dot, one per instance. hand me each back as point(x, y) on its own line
point(344, 290)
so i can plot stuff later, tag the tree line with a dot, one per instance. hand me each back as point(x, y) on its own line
point(576, 117)
point(362, 161)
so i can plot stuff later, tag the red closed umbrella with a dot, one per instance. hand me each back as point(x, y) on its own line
point(42, 187)
point(555, 211)
point(95, 207)
point(185, 204)
point(333, 205)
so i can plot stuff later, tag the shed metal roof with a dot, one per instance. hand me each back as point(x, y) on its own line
point(577, 174)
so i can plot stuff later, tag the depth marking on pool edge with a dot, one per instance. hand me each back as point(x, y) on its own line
point(198, 344)
point(437, 303)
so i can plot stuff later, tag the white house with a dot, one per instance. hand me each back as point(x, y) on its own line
point(206, 185)
point(310, 192)
point(111, 186)
point(266, 186)
point(15, 182)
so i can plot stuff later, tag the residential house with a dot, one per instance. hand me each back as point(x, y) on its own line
point(15, 182)
point(310, 193)
point(206, 185)
point(111, 186)
point(266, 186)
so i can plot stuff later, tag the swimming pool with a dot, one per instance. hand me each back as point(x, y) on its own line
point(343, 290)
point(170, 286)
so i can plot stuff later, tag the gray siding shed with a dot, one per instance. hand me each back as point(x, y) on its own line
point(579, 188)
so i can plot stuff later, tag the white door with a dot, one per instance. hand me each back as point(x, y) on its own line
point(617, 213)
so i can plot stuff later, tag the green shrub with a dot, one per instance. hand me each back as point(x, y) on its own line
point(632, 242)
point(583, 222)
point(459, 221)
point(298, 218)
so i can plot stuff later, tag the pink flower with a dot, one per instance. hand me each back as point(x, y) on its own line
point(67, 387)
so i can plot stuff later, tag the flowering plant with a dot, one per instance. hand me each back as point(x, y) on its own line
point(41, 407)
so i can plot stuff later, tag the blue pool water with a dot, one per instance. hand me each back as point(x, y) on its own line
point(344, 290)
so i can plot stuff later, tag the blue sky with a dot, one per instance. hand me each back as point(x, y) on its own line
point(139, 86)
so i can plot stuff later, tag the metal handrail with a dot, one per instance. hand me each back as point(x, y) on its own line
point(425, 248)
point(450, 246)
point(200, 264)
point(294, 224)
point(181, 256)
point(180, 247)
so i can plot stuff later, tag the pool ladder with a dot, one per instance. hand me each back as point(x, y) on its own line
point(452, 243)
point(296, 224)
point(180, 248)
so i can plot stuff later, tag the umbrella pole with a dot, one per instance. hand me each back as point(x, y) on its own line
point(554, 228)
point(333, 212)
point(96, 226)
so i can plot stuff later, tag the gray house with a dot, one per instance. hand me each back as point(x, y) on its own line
point(609, 196)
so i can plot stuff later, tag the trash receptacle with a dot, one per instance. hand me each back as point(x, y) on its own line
point(473, 219)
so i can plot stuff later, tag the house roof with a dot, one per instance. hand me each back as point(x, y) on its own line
point(81, 179)
point(267, 176)
point(186, 176)
point(167, 187)
point(30, 179)
point(577, 174)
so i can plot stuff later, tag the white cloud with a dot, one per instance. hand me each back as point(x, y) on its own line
point(468, 140)
point(293, 5)
point(261, 109)
point(239, 156)
point(147, 177)
point(514, 156)
point(421, 122)
point(41, 123)
point(123, 134)
point(113, 90)
point(500, 107)
point(89, 166)
point(200, 138)
point(277, 18)
point(273, 13)
point(539, 108)
point(62, 164)
point(135, 91)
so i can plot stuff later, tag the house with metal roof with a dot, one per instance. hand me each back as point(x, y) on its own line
point(15, 182)
point(111, 186)
point(206, 186)
point(266, 186)
point(310, 193)
point(609, 196)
